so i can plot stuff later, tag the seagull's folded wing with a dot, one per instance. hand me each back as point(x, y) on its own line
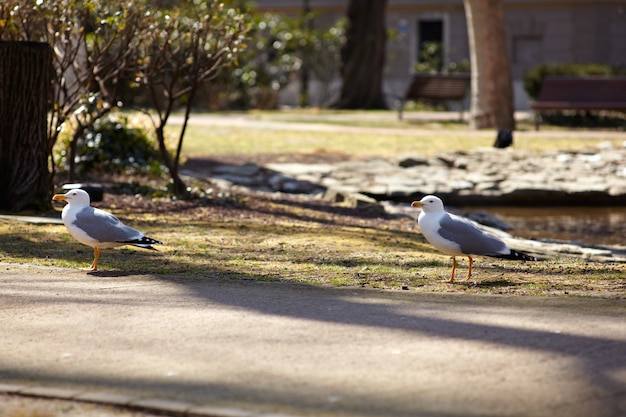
point(470, 238)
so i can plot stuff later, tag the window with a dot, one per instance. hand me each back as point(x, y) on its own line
point(430, 30)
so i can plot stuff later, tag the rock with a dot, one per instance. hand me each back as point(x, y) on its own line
point(412, 161)
point(564, 158)
point(248, 181)
point(245, 170)
point(442, 160)
point(617, 190)
point(376, 191)
point(486, 186)
point(461, 163)
point(334, 195)
point(354, 200)
point(360, 201)
point(295, 169)
point(462, 185)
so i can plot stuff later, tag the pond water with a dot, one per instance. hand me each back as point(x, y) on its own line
point(590, 225)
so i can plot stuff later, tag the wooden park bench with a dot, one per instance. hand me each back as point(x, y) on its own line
point(436, 88)
point(580, 93)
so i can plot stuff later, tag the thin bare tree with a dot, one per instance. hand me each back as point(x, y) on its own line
point(186, 46)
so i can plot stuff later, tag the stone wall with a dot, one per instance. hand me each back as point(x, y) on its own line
point(482, 177)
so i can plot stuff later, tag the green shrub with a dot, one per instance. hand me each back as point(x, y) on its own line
point(534, 77)
point(114, 147)
point(584, 119)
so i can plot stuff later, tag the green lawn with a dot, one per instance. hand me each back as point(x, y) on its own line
point(361, 134)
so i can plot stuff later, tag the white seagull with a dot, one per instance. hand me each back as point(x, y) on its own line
point(456, 236)
point(98, 228)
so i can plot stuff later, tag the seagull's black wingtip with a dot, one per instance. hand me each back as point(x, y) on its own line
point(144, 242)
point(518, 256)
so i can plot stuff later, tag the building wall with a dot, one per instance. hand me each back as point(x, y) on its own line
point(538, 32)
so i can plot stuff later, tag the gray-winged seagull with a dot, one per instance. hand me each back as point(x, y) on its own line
point(456, 236)
point(98, 228)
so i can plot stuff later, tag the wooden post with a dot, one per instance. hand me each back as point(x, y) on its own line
point(25, 84)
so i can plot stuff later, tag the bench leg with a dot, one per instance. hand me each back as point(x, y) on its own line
point(537, 120)
point(400, 109)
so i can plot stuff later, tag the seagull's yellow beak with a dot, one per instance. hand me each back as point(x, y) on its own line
point(59, 197)
point(417, 204)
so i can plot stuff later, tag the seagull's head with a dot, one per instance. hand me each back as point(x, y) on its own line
point(430, 204)
point(77, 197)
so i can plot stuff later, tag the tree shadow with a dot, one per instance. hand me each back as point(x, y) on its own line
point(110, 274)
point(411, 313)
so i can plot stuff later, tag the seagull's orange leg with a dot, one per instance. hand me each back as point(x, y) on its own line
point(453, 270)
point(96, 255)
point(469, 271)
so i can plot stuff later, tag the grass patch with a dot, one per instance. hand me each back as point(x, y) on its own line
point(362, 135)
point(304, 247)
point(201, 140)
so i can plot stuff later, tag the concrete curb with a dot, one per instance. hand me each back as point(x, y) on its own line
point(164, 406)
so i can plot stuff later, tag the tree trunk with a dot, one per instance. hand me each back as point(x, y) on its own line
point(78, 133)
point(492, 86)
point(178, 185)
point(25, 86)
point(363, 56)
point(307, 26)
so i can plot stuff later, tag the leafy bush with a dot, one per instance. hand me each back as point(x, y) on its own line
point(534, 77)
point(278, 48)
point(584, 119)
point(114, 147)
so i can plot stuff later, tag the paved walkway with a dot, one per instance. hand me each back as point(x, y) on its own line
point(204, 346)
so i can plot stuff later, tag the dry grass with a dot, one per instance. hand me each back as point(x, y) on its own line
point(360, 135)
point(261, 239)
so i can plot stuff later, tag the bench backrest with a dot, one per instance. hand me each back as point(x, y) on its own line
point(438, 87)
point(583, 89)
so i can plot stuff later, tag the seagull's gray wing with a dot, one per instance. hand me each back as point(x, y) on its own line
point(104, 227)
point(470, 238)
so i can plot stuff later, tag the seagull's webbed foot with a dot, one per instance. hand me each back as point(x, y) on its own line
point(94, 264)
